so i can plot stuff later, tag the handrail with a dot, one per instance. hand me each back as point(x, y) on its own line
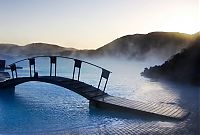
point(61, 57)
point(18, 61)
point(53, 62)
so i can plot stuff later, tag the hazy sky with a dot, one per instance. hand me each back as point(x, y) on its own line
point(92, 23)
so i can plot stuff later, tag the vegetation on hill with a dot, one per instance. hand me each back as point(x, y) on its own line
point(182, 67)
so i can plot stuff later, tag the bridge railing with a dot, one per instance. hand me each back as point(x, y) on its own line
point(53, 68)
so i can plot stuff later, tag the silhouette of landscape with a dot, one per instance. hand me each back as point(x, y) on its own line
point(182, 67)
point(137, 46)
point(107, 67)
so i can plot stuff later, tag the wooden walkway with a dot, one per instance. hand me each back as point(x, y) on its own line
point(96, 96)
point(104, 100)
point(168, 111)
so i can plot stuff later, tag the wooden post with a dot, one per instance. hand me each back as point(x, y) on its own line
point(13, 68)
point(32, 62)
point(53, 60)
point(77, 64)
point(105, 74)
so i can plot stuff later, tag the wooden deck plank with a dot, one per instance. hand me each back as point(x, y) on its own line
point(157, 109)
point(179, 113)
point(165, 110)
point(125, 102)
point(167, 113)
point(172, 112)
point(129, 105)
point(182, 114)
point(152, 108)
point(160, 109)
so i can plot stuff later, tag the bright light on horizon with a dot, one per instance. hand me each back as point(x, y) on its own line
point(91, 24)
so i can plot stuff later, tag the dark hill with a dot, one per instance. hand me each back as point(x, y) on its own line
point(182, 67)
point(139, 46)
point(32, 49)
point(43, 49)
point(8, 49)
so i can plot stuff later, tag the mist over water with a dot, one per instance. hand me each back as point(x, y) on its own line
point(44, 108)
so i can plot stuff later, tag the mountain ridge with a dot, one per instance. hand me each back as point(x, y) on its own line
point(138, 46)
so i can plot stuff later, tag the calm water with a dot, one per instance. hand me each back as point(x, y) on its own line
point(44, 108)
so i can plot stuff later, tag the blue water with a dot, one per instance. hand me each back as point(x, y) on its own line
point(39, 107)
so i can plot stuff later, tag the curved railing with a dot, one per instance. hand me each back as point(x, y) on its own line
point(53, 62)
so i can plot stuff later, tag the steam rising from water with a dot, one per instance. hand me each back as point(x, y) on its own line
point(39, 107)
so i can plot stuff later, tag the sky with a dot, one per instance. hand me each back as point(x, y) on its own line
point(89, 24)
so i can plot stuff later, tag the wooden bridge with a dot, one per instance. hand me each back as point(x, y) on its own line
point(95, 95)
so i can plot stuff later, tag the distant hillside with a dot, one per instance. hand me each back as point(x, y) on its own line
point(8, 49)
point(182, 67)
point(43, 49)
point(32, 49)
point(138, 46)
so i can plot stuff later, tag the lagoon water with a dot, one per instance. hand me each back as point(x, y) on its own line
point(41, 108)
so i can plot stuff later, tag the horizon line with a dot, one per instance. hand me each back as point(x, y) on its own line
point(39, 42)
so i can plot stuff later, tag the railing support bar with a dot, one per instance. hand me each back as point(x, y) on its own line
point(16, 73)
point(105, 85)
point(55, 68)
point(34, 68)
point(12, 75)
point(50, 69)
point(30, 70)
point(79, 73)
point(73, 73)
point(99, 82)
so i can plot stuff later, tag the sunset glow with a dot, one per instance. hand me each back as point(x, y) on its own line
point(90, 24)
